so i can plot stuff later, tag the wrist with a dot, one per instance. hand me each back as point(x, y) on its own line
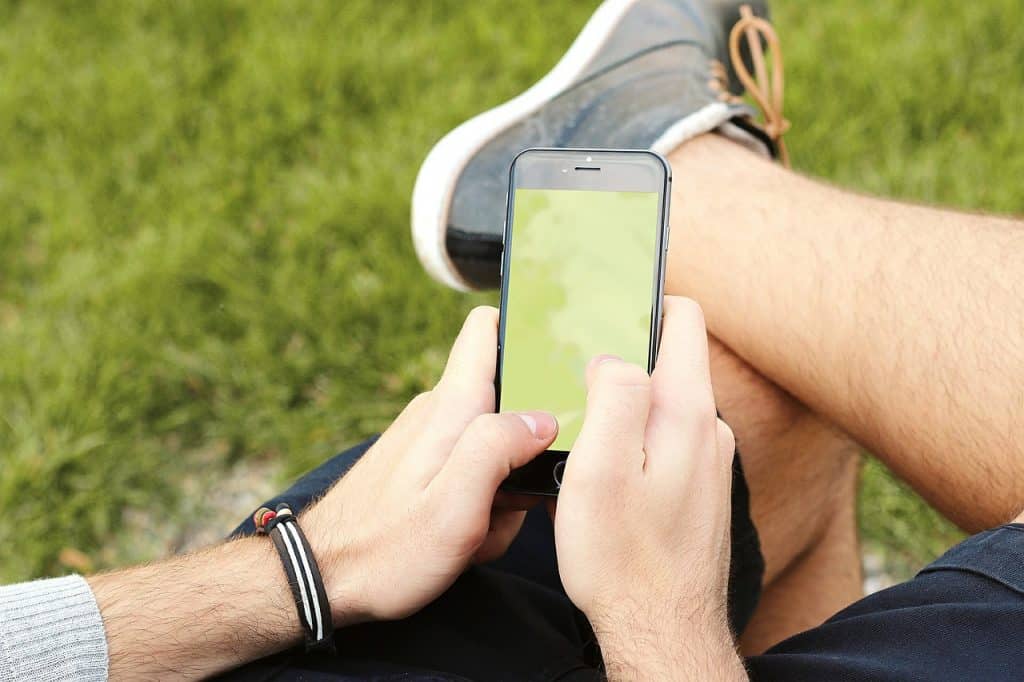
point(339, 561)
point(270, 585)
point(196, 615)
point(681, 642)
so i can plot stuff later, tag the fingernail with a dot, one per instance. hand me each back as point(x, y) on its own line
point(530, 422)
point(541, 424)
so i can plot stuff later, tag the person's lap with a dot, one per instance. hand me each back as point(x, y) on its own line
point(511, 620)
point(508, 618)
point(802, 476)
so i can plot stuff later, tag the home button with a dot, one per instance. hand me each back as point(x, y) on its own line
point(557, 471)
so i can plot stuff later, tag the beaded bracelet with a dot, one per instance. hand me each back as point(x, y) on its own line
point(303, 574)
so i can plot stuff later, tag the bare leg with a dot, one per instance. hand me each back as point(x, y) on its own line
point(815, 586)
point(802, 475)
point(900, 324)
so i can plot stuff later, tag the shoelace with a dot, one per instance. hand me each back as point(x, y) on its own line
point(767, 91)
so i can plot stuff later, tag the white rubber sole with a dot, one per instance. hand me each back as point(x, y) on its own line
point(435, 183)
point(436, 180)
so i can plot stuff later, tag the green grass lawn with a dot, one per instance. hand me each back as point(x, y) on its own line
point(204, 251)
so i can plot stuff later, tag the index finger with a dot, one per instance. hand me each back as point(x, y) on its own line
point(610, 443)
point(474, 354)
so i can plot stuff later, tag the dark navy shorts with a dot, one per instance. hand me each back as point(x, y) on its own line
point(511, 619)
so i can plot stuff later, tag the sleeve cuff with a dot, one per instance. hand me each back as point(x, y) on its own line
point(997, 554)
point(51, 630)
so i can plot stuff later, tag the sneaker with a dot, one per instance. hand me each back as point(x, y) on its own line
point(642, 74)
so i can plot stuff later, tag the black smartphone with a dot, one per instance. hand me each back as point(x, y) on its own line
point(582, 274)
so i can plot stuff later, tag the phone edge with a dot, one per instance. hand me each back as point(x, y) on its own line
point(658, 286)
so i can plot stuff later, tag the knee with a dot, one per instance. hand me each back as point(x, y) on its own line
point(802, 472)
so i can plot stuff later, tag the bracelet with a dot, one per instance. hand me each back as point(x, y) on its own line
point(303, 574)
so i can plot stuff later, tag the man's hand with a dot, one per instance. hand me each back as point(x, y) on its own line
point(399, 528)
point(642, 523)
point(390, 537)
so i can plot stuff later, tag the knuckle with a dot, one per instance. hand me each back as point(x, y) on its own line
point(690, 310)
point(473, 391)
point(419, 400)
point(702, 417)
point(590, 475)
point(415, 411)
point(623, 374)
point(489, 432)
point(685, 404)
point(699, 427)
point(704, 402)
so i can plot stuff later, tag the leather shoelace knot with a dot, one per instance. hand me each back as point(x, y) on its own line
point(766, 89)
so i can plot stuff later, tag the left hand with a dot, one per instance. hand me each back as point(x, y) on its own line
point(411, 515)
point(390, 537)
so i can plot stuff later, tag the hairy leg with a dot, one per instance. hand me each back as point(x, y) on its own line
point(818, 583)
point(901, 324)
point(802, 475)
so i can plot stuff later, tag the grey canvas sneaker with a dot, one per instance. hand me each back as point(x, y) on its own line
point(642, 74)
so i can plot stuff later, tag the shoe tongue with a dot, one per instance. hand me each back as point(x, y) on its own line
point(644, 26)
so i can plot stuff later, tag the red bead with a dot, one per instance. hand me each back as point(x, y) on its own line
point(262, 517)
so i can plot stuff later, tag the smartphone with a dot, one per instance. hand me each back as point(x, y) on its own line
point(582, 274)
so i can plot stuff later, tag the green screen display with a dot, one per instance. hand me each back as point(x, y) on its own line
point(580, 280)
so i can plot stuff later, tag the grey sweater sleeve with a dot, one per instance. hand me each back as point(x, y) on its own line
point(51, 630)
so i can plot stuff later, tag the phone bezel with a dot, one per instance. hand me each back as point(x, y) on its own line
point(541, 168)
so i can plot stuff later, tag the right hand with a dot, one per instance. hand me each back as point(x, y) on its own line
point(642, 521)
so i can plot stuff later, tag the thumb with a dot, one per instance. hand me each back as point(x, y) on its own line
point(489, 449)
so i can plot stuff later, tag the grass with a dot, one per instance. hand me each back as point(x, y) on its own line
point(204, 255)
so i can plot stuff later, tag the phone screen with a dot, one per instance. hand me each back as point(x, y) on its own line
point(580, 281)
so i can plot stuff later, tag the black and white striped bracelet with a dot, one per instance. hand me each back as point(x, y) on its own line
point(303, 574)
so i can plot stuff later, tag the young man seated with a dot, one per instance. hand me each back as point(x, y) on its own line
point(832, 319)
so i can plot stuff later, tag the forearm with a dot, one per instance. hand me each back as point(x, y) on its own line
point(197, 615)
point(900, 323)
point(660, 648)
